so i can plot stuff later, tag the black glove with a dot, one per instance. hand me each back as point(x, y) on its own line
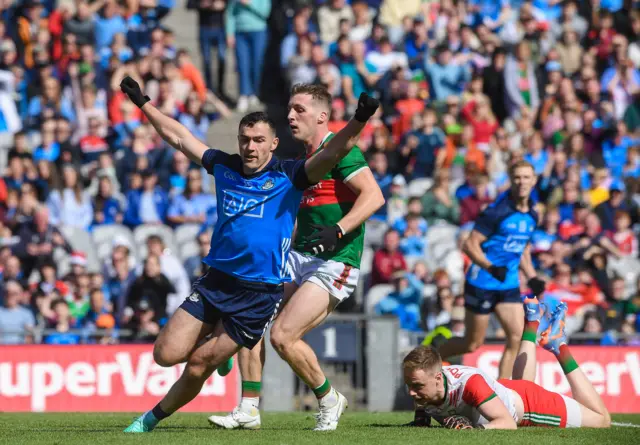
point(420, 419)
point(537, 286)
point(367, 106)
point(457, 423)
point(498, 272)
point(324, 239)
point(131, 88)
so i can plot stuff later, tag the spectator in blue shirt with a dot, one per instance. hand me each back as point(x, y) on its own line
point(16, 322)
point(108, 209)
point(70, 206)
point(194, 265)
point(118, 49)
point(537, 156)
point(446, 78)
point(614, 150)
point(195, 118)
point(416, 44)
point(148, 205)
point(62, 326)
point(246, 29)
point(289, 45)
point(49, 149)
point(379, 167)
point(358, 75)
point(427, 143)
point(193, 205)
point(404, 302)
point(108, 24)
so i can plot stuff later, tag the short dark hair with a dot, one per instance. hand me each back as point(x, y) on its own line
point(155, 238)
point(254, 118)
point(317, 92)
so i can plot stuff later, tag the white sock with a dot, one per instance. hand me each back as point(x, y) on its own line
point(329, 399)
point(250, 405)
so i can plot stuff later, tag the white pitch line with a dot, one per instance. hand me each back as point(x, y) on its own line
point(627, 425)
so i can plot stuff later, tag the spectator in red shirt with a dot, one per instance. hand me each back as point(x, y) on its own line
point(337, 122)
point(570, 228)
point(472, 205)
point(388, 259)
point(478, 113)
point(407, 108)
point(623, 237)
point(92, 145)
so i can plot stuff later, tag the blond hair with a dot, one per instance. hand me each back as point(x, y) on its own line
point(423, 357)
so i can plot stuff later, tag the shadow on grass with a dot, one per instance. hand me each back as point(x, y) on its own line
point(398, 425)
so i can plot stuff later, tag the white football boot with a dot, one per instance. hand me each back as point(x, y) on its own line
point(237, 419)
point(328, 417)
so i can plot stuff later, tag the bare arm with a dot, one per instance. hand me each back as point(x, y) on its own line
point(341, 143)
point(175, 134)
point(368, 201)
point(496, 412)
point(473, 247)
point(337, 148)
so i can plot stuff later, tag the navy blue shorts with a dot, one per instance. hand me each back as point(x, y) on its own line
point(483, 301)
point(245, 309)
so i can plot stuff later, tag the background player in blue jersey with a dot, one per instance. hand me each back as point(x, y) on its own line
point(232, 305)
point(499, 248)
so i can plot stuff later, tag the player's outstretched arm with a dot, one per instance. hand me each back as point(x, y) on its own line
point(341, 144)
point(172, 131)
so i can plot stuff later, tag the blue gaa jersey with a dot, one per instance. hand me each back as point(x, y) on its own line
point(508, 232)
point(256, 215)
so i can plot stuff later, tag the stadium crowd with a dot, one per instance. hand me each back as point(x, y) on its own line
point(467, 87)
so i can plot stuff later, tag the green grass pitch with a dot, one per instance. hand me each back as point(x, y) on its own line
point(286, 429)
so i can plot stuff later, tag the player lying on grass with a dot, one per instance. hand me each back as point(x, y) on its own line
point(324, 263)
point(462, 397)
point(232, 305)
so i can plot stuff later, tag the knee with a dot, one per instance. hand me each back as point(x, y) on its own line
point(163, 356)
point(606, 420)
point(280, 340)
point(197, 370)
point(513, 341)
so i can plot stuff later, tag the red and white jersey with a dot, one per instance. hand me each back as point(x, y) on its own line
point(467, 388)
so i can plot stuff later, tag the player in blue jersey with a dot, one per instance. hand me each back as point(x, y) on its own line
point(499, 249)
point(232, 305)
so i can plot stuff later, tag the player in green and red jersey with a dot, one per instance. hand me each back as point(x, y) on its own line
point(324, 263)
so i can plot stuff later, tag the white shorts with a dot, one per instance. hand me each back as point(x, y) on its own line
point(574, 414)
point(337, 278)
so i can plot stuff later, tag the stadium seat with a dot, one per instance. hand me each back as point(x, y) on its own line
point(367, 260)
point(188, 249)
point(375, 294)
point(374, 233)
point(439, 251)
point(81, 241)
point(103, 237)
point(186, 233)
point(442, 233)
point(141, 233)
point(628, 268)
point(418, 187)
point(429, 291)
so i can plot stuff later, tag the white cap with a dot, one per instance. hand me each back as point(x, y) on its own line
point(399, 180)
